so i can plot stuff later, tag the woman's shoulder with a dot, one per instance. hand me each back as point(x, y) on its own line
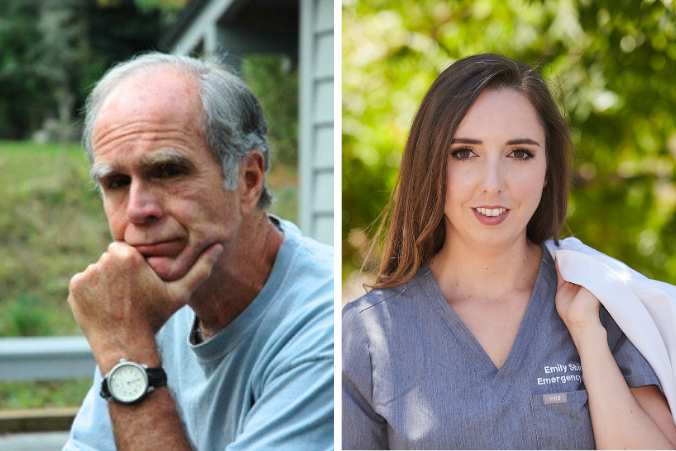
point(376, 297)
point(378, 300)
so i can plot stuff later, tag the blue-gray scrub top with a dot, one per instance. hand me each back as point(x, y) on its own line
point(414, 377)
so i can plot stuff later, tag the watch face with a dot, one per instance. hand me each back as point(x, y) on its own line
point(128, 382)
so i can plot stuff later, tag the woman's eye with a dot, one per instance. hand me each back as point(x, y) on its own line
point(522, 154)
point(462, 154)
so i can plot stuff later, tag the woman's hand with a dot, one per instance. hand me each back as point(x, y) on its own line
point(577, 306)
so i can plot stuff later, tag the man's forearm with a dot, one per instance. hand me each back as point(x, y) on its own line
point(152, 424)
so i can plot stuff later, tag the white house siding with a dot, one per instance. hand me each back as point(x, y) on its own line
point(203, 31)
point(316, 119)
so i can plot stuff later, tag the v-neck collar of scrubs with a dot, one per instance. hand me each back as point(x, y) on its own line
point(502, 379)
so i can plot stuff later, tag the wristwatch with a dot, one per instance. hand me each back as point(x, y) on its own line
point(129, 382)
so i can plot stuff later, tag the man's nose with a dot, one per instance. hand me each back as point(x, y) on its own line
point(143, 204)
point(493, 180)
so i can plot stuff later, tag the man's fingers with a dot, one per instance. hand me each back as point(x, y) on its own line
point(200, 271)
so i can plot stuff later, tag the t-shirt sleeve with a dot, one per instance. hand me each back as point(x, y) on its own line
point(294, 412)
point(363, 428)
point(636, 370)
point(91, 429)
point(294, 392)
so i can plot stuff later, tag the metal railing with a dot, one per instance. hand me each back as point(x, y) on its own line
point(39, 359)
point(45, 358)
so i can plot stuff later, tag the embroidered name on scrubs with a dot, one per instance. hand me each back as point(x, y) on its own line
point(564, 374)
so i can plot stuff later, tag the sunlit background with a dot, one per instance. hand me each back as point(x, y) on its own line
point(613, 64)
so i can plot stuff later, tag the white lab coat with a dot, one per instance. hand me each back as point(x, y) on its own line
point(644, 309)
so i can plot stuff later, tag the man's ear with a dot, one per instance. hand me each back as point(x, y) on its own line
point(251, 180)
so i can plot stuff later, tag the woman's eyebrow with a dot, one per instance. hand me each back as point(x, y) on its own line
point(465, 141)
point(523, 141)
point(511, 142)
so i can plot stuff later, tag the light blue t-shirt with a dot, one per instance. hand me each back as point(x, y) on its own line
point(265, 381)
point(414, 377)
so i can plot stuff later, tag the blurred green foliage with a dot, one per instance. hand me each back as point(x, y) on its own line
point(169, 9)
point(52, 226)
point(25, 316)
point(612, 63)
point(51, 52)
point(275, 84)
point(25, 395)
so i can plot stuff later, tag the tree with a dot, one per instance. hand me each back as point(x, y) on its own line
point(21, 95)
point(52, 52)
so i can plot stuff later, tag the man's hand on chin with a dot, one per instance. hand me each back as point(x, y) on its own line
point(120, 303)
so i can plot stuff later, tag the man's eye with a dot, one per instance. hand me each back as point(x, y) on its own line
point(117, 182)
point(168, 171)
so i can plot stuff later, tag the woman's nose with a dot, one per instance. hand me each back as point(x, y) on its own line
point(493, 176)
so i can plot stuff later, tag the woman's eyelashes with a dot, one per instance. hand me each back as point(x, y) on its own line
point(465, 153)
point(522, 154)
point(462, 153)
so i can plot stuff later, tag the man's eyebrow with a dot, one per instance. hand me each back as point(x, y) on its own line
point(164, 157)
point(99, 171)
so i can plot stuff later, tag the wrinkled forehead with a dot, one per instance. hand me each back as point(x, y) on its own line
point(152, 95)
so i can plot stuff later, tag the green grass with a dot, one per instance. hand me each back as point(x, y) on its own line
point(27, 395)
point(52, 226)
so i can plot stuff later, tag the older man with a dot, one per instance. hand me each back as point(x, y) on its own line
point(211, 322)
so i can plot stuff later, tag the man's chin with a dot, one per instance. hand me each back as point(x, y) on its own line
point(168, 269)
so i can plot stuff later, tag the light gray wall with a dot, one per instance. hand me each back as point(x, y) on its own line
point(316, 119)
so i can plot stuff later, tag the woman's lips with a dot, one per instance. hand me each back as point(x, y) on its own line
point(490, 220)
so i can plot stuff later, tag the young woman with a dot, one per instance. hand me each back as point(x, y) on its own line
point(470, 338)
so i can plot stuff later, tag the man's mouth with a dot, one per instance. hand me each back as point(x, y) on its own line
point(168, 248)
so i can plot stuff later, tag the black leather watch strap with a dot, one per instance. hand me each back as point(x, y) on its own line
point(105, 393)
point(157, 377)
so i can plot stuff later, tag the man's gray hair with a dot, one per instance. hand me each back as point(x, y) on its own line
point(234, 123)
